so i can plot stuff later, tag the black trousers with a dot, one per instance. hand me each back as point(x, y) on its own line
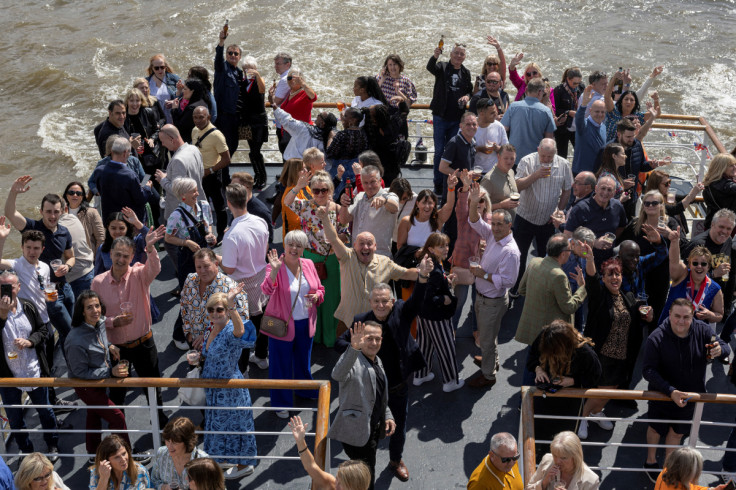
point(366, 453)
point(144, 359)
point(261, 348)
point(212, 185)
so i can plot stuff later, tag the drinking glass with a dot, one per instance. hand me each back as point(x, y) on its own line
point(474, 261)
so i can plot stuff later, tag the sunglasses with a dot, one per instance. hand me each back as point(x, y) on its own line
point(74, 193)
point(218, 309)
point(233, 53)
point(157, 68)
point(651, 204)
point(324, 190)
point(532, 73)
point(667, 184)
point(43, 477)
point(289, 78)
point(509, 459)
point(492, 82)
point(491, 63)
point(699, 264)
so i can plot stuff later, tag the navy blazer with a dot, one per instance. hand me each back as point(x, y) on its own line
point(398, 324)
point(119, 186)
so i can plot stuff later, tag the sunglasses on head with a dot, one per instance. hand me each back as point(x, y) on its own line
point(651, 204)
point(233, 53)
point(74, 193)
point(700, 264)
point(460, 45)
point(218, 309)
point(532, 73)
point(324, 190)
point(163, 67)
point(509, 459)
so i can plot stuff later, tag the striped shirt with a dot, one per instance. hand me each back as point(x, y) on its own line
point(357, 281)
point(539, 200)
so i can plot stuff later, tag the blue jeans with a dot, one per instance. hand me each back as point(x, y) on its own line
point(443, 130)
point(291, 360)
point(82, 283)
point(60, 311)
point(729, 458)
point(398, 402)
point(39, 396)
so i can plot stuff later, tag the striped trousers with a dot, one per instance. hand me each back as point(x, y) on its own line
point(437, 336)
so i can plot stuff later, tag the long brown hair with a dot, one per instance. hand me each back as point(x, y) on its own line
point(109, 446)
point(557, 344)
point(433, 218)
point(433, 240)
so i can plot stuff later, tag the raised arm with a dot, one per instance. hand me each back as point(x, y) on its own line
point(446, 210)
point(501, 58)
point(678, 270)
point(341, 251)
point(608, 96)
point(320, 479)
point(20, 186)
point(301, 184)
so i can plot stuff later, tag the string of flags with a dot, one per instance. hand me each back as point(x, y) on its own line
point(696, 145)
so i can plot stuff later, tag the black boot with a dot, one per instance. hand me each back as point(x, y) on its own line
point(259, 169)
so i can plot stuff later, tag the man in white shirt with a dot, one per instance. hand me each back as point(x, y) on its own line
point(490, 135)
point(244, 249)
point(282, 65)
point(374, 210)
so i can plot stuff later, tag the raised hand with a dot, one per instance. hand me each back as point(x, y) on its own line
point(323, 213)
point(466, 179)
point(155, 234)
point(493, 42)
point(4, 228)
point(475, 192)
point(130, 217)
point(517, 59)
point(674, 235)
point(652, 235)
point(578, 276)
point(356, 335)
point(20, 185)
point(233, 293)
point(298, 429)
point(426, 265)
point(303, 179)
point(657, 71)
point(274, 260)
point(452, 180)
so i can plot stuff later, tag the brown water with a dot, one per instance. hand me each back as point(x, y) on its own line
point(63, 61)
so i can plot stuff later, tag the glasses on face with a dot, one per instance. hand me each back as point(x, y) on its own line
point(509, 459)
point(651, 204)
point(43, 477)
point(492, 63)
point(492, 82)
point(233, 53)
point(698, 264)
point(218, 309)
point(667, 184)
point(74, 193)
point(533, 73)
point(157, 68)
point(289, 78)
point(316, 192)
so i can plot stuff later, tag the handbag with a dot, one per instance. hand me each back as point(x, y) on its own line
point(321, 268)
point(276, 326)
point(193, 396)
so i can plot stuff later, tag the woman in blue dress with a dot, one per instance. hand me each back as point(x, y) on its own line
point(691, 281)
point(221, 349)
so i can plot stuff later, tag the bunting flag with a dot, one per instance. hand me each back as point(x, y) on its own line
point(701, 147)
point(672, 134)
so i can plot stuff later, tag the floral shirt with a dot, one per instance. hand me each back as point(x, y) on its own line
point(312, 225)
point(177, 224)
point(193, 310)
point(142, 481)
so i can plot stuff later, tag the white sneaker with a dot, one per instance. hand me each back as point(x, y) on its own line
point(233, 472)
point(261, 363)
point(583, 430)
point(453, 385)
point(181, 345)
point(282, 414)
point(603, 424)
point(420, 381)
point(726, 476)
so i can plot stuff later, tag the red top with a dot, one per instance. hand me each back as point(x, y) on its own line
point(299, 106)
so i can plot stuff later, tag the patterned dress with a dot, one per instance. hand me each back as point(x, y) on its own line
point(142, 480)
point(221, 362)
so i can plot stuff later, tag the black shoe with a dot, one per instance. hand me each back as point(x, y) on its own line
point(91, 461)
point(144, 458)
point(53, 454)
point(65, 406)
point(652, 472)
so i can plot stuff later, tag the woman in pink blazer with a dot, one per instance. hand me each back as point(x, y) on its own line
point(292, 282)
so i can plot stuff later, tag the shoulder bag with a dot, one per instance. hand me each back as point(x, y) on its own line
point(276, 326)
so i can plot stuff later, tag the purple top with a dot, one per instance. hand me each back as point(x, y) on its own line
point(500, 260)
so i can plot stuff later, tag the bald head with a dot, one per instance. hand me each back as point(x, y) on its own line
point(365, 247)
point(598, 111)
point(201, 117)
point(171, 137)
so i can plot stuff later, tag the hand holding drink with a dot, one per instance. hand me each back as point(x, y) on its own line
point(193, 357)
point(51, 294)
point(121, 369)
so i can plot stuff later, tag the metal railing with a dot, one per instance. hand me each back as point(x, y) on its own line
point(528, 416)
point(322, 410)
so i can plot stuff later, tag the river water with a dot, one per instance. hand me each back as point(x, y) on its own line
point(63, 60)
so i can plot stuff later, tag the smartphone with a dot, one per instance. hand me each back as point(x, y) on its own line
point(6, 290)
point(730, 485)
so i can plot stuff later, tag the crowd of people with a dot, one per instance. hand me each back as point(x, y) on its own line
point(369, 266)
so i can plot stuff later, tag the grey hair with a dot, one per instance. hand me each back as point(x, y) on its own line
point(725, 213)
point(548, 144)
point(583, 234)
point(9, 273)
point(324, 178)
point(249, 62)
point(506, 215)
point(503, 439)
point(285, 57)
point(182, 185)
point(120, 145)
point(382, 286)
point(296, 72)
point(613, 181)
point(535, 85)
point(298, 238)
point(370, 170)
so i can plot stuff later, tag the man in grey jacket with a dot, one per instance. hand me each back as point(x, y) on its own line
point(363, 416)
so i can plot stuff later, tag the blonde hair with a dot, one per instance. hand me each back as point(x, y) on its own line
point(32, 466)
point(567, 444)
point(134, 92)
point(718, 167)
point(536, 67)
point(354, 475)
point(642, 215)
point(324, 178)
point(682, 467)
point(217, 299)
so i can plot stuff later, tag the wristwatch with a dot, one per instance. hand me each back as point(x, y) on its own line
point(487, 277)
